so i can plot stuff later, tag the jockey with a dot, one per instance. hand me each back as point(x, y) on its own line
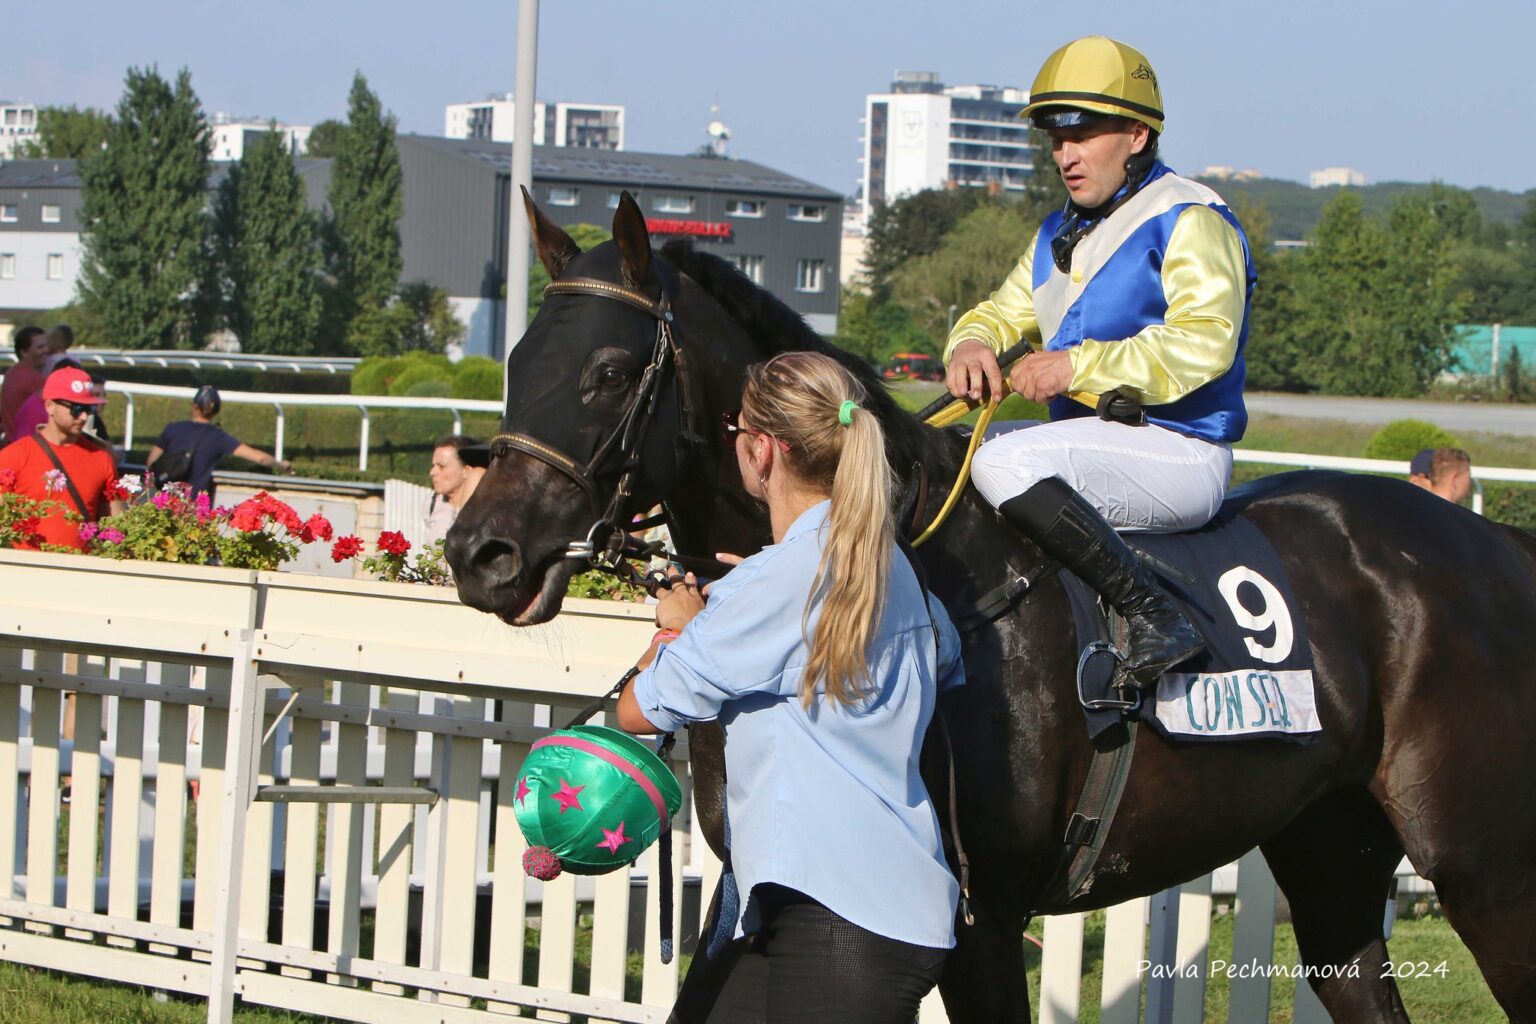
point(1139, 288)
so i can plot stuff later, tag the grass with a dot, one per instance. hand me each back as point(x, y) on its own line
point(1457, 994)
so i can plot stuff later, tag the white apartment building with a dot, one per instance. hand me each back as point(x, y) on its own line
point(924, 134)
point(578, 125)
point(40, 250)
point(18, 124)
point(228, 135)
point(1328, 176)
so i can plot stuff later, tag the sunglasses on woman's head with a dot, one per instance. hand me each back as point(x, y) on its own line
point(730, 425)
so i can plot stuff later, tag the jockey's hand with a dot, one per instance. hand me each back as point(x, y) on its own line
point(679, 603)
point(1042, 375)
point(971, 364)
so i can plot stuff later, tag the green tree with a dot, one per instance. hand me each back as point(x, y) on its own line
point(362, 231)
point(1275, 356)
point(970, 262)
point(67, 133)
point(913, 226)
point(875, 330)
point(323, 137)
point(419, 319)
point(1375, 303)
point(267, 247)
point(145, 226)
point(1524, 299)
point(585, 235)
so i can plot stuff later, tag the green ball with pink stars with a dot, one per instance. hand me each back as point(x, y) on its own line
point(590, 800)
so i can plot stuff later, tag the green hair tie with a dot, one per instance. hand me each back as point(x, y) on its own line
point(845, 412)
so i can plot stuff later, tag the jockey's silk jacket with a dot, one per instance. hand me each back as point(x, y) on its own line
point(1156, 304)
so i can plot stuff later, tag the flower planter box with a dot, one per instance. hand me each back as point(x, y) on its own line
point(84, 600)
point(392, 631)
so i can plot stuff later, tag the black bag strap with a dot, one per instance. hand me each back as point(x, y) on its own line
point(74, 492)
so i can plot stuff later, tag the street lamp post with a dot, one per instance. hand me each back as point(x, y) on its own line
point(522, 175)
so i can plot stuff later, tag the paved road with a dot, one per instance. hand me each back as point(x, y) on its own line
point(1453, 416)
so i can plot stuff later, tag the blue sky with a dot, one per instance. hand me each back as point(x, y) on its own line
point(1412, 91)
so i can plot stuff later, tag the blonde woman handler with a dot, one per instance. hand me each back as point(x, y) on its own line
point(821, 659)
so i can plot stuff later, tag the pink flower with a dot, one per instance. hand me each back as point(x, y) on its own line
point(162, 499)
point(345, 548)
point(55, 480)
point(111, 536)
point(204, 506)
point(89, 530)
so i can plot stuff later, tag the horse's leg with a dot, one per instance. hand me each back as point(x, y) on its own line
point(1495, 915)
point(984, 980)
point(1334, 863)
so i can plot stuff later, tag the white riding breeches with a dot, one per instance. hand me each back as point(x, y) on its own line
point(1140, 478)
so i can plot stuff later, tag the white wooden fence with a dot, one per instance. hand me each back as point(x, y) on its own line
point(409, 906)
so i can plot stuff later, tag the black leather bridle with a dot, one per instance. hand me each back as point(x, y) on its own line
point(608, 543)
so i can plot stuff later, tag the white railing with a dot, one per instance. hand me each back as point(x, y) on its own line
point(173, 359)
point(1352, 465)
point(241, 680)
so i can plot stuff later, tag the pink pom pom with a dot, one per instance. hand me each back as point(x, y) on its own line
point(539, 862)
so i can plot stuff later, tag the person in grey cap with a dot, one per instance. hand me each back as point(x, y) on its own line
point(1443, 471)
point(188, 451)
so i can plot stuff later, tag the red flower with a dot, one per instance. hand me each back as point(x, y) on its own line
point(393, 542)
point(247, 517)
point(316, 527)
point(280, 512)
point(7, 480)
point(345, 548)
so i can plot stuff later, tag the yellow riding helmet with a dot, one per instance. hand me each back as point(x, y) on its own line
point(1098, 75)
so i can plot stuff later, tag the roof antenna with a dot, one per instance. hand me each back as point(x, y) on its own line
point(718, 133)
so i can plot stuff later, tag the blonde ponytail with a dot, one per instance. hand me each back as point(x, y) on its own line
point(800, 398)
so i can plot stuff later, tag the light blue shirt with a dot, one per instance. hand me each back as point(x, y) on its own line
point(827, 801)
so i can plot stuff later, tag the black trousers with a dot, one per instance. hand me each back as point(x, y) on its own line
point(809, 964)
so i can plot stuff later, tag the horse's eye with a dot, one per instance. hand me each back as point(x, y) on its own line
point(611, 378)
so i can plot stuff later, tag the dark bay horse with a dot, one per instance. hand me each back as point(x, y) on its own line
point(1422, 619)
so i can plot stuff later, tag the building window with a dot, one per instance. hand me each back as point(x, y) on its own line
point(672, 204)
point(50, 213)
point(9, 213)
point(752, 266)
point(813, 214)
point(809, 274)
point(744, 207)
point(7, 265)
point(613, 197)
point(55, 266)
point(564, 196)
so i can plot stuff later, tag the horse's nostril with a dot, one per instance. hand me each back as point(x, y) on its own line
point(499, 561)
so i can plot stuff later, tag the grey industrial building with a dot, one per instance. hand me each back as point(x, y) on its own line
point(781, 231)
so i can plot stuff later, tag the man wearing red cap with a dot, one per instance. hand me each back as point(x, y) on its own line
point(58, 464)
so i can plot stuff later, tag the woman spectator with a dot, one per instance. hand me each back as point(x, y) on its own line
point(457, 466)
point(188, 451)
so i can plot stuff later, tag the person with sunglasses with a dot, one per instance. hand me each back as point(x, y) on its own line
point(821, 656)
point(58, 463)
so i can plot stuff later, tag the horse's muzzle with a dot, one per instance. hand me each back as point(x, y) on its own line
point(488, 570)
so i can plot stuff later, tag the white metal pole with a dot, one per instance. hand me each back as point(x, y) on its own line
point(522, 175)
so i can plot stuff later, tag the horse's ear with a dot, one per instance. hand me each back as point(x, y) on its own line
point(554, 246)
point(633, 240)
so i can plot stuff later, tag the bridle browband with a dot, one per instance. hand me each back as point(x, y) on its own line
point(606, 542)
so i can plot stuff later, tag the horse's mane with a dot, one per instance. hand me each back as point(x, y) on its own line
point(778, 328)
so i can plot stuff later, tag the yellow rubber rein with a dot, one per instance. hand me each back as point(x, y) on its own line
point(952, 412)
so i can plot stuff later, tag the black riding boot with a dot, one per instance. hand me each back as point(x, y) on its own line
point(1070, 530)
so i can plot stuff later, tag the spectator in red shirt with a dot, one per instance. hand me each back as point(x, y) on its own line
point(69, 400)
point(25, 378)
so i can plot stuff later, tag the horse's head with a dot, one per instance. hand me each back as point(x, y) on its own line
point(611, 407)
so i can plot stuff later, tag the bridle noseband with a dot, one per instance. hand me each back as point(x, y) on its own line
point(606, 542)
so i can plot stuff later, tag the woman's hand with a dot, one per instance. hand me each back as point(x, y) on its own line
point(680, 603)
